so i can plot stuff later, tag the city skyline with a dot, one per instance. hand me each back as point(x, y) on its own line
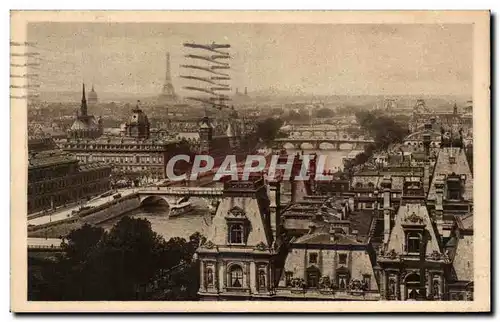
point(312, 59)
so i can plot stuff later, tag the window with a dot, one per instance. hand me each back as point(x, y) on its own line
point(413, 242)
point(413, 287)
point(236, 276)
point(313, 274)
point(342, 259)
point(313, 258)
point(454, 194)
point(342, 281)
point(236, 234)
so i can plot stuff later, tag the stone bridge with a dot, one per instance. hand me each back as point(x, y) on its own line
point(323, 143)
point(172, 195)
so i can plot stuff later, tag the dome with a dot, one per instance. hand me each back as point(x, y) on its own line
point(92, 96)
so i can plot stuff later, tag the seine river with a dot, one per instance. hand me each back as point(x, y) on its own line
point(197, 220)
point(333, 158)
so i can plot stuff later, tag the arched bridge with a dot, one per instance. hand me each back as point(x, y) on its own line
point(173, 195)
point(323, 143)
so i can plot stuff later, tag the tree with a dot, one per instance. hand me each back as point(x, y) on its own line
point(324, 112)
point(268, 129)
point(80, 242)
point(384, 130)
point(121, 264)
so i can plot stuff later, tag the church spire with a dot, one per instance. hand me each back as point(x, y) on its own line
point(83, 107)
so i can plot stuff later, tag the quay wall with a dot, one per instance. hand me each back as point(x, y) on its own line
point(92, 216)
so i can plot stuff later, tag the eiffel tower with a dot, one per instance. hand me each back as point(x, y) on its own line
point(168, 93)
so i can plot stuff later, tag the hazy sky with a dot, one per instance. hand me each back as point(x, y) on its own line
point(320, 59)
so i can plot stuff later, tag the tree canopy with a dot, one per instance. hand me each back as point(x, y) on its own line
point(384, 130)
point(268, 129)
point(324, 112)
point(130, 262)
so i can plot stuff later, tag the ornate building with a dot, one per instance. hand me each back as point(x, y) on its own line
point(85, 126)
point(56, 178)
point(333, 260)
point(238, 261)
point(450, 191)
point(134, 155)
point(206, 135)
point(138, 125)
point(412, 264)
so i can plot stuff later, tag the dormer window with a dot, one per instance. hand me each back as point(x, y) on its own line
point(236, 234)
point(454, 187)
point(237, 226)
point(413, 242)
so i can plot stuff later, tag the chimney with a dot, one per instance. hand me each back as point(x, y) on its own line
point(246, 92)
point(386, 186)
point(275, 209)
point(237, 91)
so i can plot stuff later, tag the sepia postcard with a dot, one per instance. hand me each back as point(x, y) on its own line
point(239, 161)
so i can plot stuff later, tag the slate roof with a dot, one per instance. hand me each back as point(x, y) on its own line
point(465, 222)
point(50, 157)
point(323, 238)
point(444, 167)
point(397, 237)
point(464, 258)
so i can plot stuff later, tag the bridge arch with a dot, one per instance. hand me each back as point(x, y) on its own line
point(289, 145)
point(306, 146)
point(155, 200)
point(331, 135)
point(328, 146)
point(346, 146)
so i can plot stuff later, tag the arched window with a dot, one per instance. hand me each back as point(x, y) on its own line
point(412, 286)
point(236, 234)
point(413, 242)
point(236, 274)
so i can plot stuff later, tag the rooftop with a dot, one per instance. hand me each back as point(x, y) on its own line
point(449, 161)
point(49, 157)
